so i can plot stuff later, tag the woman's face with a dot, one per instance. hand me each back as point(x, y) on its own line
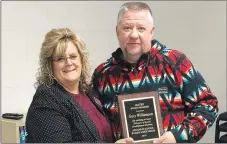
point(67, 69)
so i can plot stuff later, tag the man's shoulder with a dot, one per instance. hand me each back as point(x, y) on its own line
point(103, 67)
point(161, 50)
point(172, 54)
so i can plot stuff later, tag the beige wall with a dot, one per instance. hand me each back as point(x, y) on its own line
point(196, 28)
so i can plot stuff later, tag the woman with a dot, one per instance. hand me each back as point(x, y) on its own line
point(63, 109)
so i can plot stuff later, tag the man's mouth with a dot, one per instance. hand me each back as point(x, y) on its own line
point(133, 43)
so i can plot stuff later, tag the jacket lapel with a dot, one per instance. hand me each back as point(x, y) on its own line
point(83, 114)
point(94, 98)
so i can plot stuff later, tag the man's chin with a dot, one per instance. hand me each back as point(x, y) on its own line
point(134, 53)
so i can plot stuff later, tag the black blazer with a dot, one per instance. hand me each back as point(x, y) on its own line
point(54, 116)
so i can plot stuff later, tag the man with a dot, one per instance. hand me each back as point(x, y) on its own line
point(143, 64)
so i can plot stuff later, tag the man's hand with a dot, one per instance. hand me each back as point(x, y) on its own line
point(167, 137)
point(126, 140)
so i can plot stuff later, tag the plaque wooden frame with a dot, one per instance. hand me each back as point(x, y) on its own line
point(140, 96)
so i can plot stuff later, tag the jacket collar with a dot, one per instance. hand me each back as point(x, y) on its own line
point(92, 96)
point(58, 89)
point(118, 58)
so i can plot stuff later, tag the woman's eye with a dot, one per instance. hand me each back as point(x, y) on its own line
point(73, 57)
point(60, 59)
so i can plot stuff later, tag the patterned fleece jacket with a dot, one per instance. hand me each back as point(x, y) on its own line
point(188, 106)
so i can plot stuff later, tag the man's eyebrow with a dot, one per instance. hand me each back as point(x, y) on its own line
point(125, 24)
point(130, 24)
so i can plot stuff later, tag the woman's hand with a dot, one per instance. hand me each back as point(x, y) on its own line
point(167, 137)
point(126, 140)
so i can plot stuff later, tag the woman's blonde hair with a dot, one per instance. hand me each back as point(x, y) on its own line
point(55, 44)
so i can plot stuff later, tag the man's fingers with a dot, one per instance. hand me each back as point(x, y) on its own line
point(129, 140)
point(120, 141)
point(126, 140)
point(159, 140)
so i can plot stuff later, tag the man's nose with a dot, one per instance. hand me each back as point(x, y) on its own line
point(134, 33)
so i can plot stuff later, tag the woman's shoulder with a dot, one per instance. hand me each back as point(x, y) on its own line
point(45, 97)
point(47, 89)
point(54, 92)
point(43, 89)
point(44, 92)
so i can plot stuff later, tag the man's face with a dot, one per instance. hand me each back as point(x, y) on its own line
point(135, 32)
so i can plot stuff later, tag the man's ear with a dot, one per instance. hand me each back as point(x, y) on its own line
point(152, 30)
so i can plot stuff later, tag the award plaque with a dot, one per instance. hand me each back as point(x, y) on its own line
point(141, 116)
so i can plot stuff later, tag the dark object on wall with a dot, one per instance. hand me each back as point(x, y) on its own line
point(221, 128)
point(15, 116)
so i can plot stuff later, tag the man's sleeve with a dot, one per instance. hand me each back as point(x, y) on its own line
point(201, 103)
point(95, 82)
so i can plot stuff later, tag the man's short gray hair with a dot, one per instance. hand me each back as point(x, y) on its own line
point(137, 6)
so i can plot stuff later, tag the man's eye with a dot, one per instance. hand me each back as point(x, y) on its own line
point(141, 29)
point(127, 28)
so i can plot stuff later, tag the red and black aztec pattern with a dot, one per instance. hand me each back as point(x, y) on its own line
point(188, 105)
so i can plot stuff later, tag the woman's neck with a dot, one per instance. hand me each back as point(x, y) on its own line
point(72, 87)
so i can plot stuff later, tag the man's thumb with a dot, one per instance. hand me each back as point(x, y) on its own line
point(159, 140)
point(129, 140)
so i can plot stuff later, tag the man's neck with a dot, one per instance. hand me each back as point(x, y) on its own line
point(132, 59)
